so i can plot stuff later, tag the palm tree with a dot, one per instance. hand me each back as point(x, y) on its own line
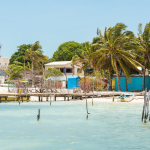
point(36, 57)
point(143, 44)
point(83, 59)
point(112, 52)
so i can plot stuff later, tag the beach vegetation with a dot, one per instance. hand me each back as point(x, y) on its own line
point(112, 52)
point(15, 70)
point(67, 50)
point(143, 48)
point(53, 72)
point(19, 54)
point(36, 56)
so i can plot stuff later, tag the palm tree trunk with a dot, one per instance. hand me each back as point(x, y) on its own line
point(126, 85)
point(110, 79)
point(117, 73)
point(143, 86)
point(103, 74)
point(24, 70)
point(145, 62)
point(85, 95)
point(44, 76)
point(73, 71)
point(32, 76)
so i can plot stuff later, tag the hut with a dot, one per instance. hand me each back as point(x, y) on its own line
point(73, 82)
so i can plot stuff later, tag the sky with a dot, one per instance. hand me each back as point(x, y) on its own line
point(53, 22)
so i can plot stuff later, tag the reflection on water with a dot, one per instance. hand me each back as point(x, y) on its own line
point(63, 126)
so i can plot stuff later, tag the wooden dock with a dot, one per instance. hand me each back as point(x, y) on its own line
point(19, 97)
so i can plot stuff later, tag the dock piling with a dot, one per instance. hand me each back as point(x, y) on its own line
point(50, 99)
point(19, 99)
point(38, 116)
point(28, 98)
point(93, 93)
point(145, 112)
point(54, 98)
point(5, 99)
point(113, 95)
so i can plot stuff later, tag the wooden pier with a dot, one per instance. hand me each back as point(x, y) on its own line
point(19, 97)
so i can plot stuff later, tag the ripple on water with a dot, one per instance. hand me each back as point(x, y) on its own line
point(112, 126)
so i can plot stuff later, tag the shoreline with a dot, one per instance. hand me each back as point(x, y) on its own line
point(137, 99)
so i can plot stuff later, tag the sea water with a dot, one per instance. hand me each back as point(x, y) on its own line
point(63, 126)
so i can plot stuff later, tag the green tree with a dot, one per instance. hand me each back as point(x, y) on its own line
point(53, 72)
point(15, 70)
point(143, 45)
point(19, 55)
point(67, 50)
point(115, 51)
point(36, 57)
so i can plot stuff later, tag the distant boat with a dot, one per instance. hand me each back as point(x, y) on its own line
point(125, 98)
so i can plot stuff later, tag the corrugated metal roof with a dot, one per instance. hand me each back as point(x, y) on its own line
point(57, 78)
point(58, 63)
point(63, 78)
point(73, 76)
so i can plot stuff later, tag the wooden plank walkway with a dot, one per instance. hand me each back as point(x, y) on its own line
point(65, 95)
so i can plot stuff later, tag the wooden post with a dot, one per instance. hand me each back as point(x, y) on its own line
point(28, 98)
point(50, 92)
point(39, 98)
point(38, 116)
point(40, 92)
point(86, 97)
point(142, 114)
point(0, 99)
point(145, 111)
point(113, 96)
point(19, 99)
point(145, 107)
point(50, 99)
point(5, 99)
point(54, 98)
point(65, 98)
point(93, 92)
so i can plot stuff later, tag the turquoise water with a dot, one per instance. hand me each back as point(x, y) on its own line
point(63, 126)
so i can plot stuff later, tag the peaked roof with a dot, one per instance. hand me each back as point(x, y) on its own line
point(58, 63)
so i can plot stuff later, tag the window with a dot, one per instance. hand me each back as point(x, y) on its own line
point(0, 63)
point(78, 69)
point(62, 70)
point(68, 70)
point(5, 63)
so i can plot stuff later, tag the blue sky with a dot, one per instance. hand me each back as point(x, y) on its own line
point(58, 21)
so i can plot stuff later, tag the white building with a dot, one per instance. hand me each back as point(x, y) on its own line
point(65, 66)
point(4, 62)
